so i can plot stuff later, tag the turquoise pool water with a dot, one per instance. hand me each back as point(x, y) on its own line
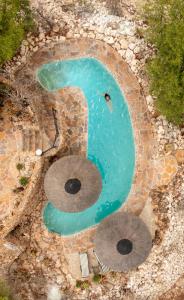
point(110, 139)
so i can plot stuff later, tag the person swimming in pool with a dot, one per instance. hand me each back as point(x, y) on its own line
point(108, 101)
point(107, 97)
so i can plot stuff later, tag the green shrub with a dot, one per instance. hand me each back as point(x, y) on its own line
point(165, 19)
point(97, 278)
point(85, 285)
point(15, 22)
point(78, 283)
point(82, 284)
point(20, 166)
point(24, 180)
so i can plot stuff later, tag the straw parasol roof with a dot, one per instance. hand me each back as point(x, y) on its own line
point(122, 242)
point(72, 183)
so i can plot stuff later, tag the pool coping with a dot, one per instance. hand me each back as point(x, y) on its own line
point(142, 129)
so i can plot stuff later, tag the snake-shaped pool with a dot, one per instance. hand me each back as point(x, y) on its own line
point(110, 139)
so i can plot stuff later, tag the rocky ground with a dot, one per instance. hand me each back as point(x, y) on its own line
point(40, 264)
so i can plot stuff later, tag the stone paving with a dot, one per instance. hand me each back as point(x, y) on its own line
point(73, 136)
point(143, 133)
point(74, 142)
point(165, 168)
point(73, 115)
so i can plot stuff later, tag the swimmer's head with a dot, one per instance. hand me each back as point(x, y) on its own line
point(107, 97)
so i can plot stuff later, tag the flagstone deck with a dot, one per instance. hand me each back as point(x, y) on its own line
point(72, 120)
point(143, 134)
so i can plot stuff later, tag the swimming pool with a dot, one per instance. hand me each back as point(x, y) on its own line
point(110, 139)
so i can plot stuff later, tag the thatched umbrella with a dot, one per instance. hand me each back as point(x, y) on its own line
point(122, 242)
point(72, 183)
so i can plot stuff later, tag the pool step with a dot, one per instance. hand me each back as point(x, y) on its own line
point(30, 139)
point(40, 135)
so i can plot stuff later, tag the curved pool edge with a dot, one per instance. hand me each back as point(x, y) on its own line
point(143, 136)
point(62, 74)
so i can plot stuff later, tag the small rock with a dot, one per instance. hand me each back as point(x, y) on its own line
point(150, 108)
point(100, 29)
point(117, 46)
point(69, 34)
point(109, 40)
point(162, 141)
point(25, 43)
point(165, 123)
point(41, 36)
point(98, 36)
point(121, 52)
point(131, 46)
point(136, 49)
point(113, 25)
point(129, 55)
point(160, 129)
point(59, 279)
point(55, 28)
point(62, 38)
point(35, 49)
point(91, 35)
point(41, 44)
point(149, 100)
point(123, 43)
point(22, 50)
point(23, 59)
point(62, 23)
point(139, 55)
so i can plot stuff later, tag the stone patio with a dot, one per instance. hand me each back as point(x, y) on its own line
point(72, 122)
point(143, 133)
point(165, 169)
point(73, 139)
